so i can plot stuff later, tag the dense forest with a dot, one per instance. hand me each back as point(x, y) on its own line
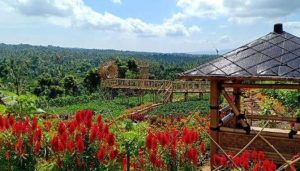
point(51, 71)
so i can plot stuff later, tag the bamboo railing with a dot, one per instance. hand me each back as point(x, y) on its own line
point(155, 85)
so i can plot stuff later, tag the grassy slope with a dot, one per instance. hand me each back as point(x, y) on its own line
point(112, 107)
point(183, 108)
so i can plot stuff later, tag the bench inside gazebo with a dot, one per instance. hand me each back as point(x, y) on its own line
point(270, 62)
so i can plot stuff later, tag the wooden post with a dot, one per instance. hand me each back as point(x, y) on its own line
point(171, 98)
point(185, 96)
point(237, 101)
point(214, 115)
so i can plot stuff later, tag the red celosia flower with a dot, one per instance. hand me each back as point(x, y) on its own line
point(193, 155)
point(245, 164)
point(266, 164)
point(110, 139)
point(186, 136)
point(194, 136)
point(79, 116)
point(72, 126)
point(55, 144)
point(237, 160)
point(256, 167)
point(217, 160)
point(163, 138)
point(37, 147)
point(37, 135)
point(70, 146)
point(254, 155)
point(61, 127)
point(19, 146)
point(80, 144)
point(246, 155)
point(113, 154)
point(101, 154)
point(63, 139)
point(83, 130)
point(272, 166)
point(19, 128)
point(94, 133)
point(99, 119)
point(223, 161)
point(202, 147)
point(189, 136)
point(261, 155)
point(88, 118)
point(11, 120)
point(149, 141)
point(2, 124)
point(34, 123)
point(153, 157)
point(106, 129)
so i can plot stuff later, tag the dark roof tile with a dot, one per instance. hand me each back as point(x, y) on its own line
point(276, 55)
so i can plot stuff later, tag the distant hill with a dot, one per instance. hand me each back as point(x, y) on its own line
point(59, 61)
point(53, 55)
point(211, 52)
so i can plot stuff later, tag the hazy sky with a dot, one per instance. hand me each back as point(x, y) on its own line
point(144, 25)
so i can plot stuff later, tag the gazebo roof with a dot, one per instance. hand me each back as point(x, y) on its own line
point(275, 56)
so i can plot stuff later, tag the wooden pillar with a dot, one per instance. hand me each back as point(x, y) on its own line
point(186, 96)
point(171, 98)
point(215, 89)
point(237, 100)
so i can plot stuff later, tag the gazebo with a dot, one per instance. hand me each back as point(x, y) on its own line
point(269, 62)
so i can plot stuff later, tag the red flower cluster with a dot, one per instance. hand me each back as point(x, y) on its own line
point(22, 130)
point(78, 134)
point(186, 146)
point(249, 161)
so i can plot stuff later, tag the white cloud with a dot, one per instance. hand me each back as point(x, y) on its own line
point(74, 13)
point(116, 1)
point(224, 39)
point(293, 26)
point(241, 11)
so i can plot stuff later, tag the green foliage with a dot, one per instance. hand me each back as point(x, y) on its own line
point(298, 113)
point(92, 80)
point(134, 136)
point(71, 100)
point(132, 65)
point(182, 108)
point(25, 106)
point(2, 109)
point(170, 73)
point(107, 107)
point(70, 85)
point(288, 97)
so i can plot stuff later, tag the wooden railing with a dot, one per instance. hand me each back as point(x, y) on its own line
point(146, 84)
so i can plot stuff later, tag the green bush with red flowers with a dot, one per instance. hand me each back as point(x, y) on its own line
point(88, 142)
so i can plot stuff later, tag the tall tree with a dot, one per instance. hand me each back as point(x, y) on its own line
point(70, 85)
point(17, 72)
point(92, 80)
